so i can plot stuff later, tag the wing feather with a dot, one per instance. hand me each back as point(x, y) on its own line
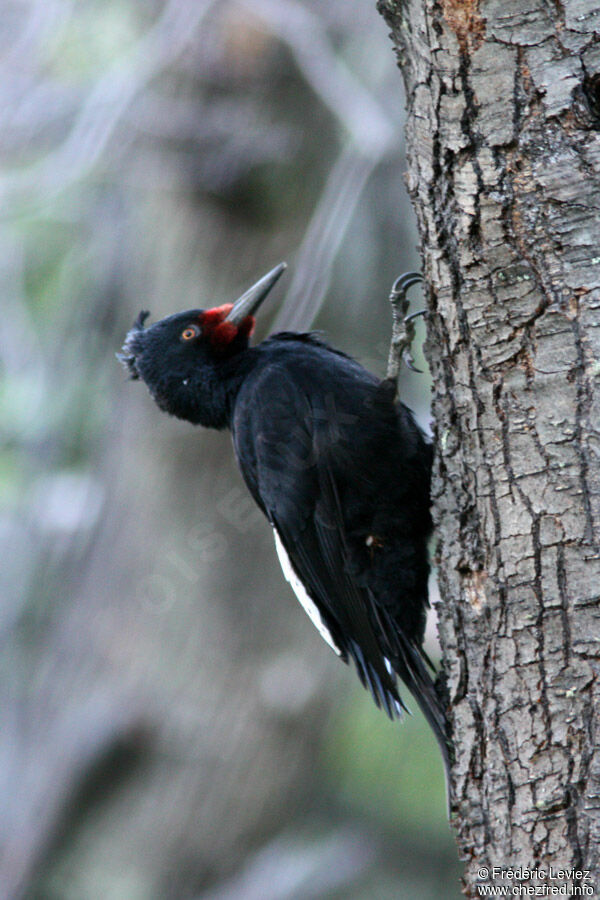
point(295, 484)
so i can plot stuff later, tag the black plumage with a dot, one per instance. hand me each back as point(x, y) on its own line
point(336, 463)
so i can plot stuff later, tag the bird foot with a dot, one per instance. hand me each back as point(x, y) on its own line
point(403, 326)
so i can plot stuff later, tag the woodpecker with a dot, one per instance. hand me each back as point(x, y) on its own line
point(337, 465)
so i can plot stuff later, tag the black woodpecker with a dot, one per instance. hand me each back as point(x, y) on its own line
point(337, 465)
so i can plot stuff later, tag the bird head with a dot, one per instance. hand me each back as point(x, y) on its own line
point(176, 356)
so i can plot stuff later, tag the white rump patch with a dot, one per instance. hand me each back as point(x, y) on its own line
point(309, 606)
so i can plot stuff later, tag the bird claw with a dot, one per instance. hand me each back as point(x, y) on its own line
point(415, 315)
point(402, 284)
point(403, 331)
point(409, 362)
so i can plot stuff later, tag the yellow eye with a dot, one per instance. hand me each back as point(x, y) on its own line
point(189, 333)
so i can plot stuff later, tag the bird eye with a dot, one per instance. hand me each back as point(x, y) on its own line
point(189, 333)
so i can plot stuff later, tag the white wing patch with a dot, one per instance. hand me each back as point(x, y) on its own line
point(309, 606)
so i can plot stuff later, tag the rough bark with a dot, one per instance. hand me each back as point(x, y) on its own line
point(503, 142)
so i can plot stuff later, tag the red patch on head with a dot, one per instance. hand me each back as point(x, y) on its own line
point(210, 318)
point(220, 332)
point(223, 334)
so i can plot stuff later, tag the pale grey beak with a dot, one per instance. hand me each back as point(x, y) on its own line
point(249, 302)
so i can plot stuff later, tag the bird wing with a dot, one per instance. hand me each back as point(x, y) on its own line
point(287, 452)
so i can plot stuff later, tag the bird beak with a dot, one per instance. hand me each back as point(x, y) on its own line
point(249, 302)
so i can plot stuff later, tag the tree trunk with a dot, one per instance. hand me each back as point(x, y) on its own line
point(503, 141)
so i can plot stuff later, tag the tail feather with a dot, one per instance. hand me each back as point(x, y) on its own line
point(382, 687)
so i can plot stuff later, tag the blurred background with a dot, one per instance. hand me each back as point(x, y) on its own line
point(172, 725)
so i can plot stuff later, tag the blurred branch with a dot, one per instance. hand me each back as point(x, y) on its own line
point(289, 867)
point(39, 787)
point(45, 21)
point(367, 123)
point(371, 137)
point(322, 239)
point(111, 95)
